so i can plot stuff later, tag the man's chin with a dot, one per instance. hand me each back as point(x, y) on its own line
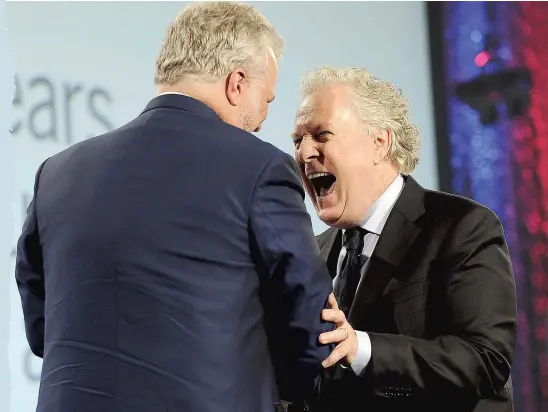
point(330, 216)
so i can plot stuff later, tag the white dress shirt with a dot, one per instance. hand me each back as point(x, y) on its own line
point(374, 223)
point(182, 94)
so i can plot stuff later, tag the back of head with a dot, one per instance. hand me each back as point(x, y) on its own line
point(211, 39)
point(226, 55)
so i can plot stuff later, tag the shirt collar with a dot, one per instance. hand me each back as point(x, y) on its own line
point(182, 94)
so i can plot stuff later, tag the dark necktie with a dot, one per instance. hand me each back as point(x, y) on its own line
point(349, 277)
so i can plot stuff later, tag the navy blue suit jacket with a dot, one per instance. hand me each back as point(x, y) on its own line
point(170, 266)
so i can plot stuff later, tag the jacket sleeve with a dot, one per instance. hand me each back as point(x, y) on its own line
point(29, 275)
point(474, 358)
point(295, 279)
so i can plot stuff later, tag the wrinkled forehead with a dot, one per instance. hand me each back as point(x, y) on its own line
point(314, 112)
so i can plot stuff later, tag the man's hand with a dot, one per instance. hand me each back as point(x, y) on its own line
point(344, 336)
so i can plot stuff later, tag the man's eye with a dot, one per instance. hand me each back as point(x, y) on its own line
point(323, 134)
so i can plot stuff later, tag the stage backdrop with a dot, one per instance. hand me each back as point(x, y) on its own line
point(503, 164)
point(6, 194)
point(85, 68)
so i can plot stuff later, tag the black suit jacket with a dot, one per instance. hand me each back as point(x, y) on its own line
point(439, 303)
point(171, 266)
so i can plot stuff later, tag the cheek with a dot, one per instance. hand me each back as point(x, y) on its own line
point(360, 157)
point(259, 109)
point(349, 167)
point(335, 158)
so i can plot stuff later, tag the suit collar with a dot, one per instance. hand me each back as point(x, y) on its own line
point(400, 229)
point(411, 201)
point(180, 102)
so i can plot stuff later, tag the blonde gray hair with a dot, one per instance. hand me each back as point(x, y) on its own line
point(379, 104)
point(211, 39)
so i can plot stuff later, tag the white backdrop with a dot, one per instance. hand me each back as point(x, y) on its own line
point(84, 68)
point(6, 194)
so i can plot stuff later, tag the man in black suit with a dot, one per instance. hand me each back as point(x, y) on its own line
point(170, 265)
point(424, 278)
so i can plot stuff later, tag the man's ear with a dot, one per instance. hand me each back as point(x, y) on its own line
point(234, 85)
point(382, 141)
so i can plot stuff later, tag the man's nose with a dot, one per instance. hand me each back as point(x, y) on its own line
point(307, 150)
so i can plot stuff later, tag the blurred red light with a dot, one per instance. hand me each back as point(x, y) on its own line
point(482, 59)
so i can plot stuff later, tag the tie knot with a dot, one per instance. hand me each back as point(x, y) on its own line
point(353, 238)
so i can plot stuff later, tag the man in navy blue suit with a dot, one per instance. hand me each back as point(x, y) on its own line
point(170, 265)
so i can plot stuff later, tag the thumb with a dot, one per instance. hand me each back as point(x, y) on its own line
point(333, 302)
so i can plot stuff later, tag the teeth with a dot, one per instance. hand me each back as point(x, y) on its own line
point(315, 175)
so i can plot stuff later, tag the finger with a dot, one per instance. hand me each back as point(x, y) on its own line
point(335, 336)
point(335, 316)
point(333, 302)
point(338, 353)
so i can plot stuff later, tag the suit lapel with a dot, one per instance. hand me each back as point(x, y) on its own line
point(398, 235)
point(330, 243)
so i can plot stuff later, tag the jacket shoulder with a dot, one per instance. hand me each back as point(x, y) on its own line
point(449, 206)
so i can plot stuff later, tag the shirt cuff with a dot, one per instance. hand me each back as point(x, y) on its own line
point(363, 355)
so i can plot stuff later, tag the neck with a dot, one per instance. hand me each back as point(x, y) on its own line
point(210, 93)
point(386, 178)
point(192, 87)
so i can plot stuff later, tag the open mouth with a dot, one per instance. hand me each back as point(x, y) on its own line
point(323, 183)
